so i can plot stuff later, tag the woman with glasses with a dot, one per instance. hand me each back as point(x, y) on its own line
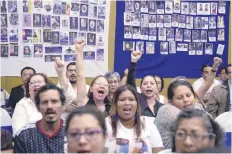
point(194, 131)
point(86, 131)
point(25, 111)
point(127, 131)
point(99, 87)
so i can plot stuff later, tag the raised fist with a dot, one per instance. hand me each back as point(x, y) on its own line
point(126, 72)
point(79, 45)
point(135, 56)
point(59, 64)
point(217, 60)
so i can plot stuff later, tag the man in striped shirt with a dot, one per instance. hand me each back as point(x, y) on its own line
point(46, 135)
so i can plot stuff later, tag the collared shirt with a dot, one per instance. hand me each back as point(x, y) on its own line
point(33, 139)
point(25, 112)
point(146, 111)
point(198, 83)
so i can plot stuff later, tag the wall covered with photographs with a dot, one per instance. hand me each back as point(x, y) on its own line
point(34, 32)
point(175, 37)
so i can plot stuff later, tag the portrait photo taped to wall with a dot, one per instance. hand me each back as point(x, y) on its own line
point(14, 50)
point(192, 50)
point(209, 48)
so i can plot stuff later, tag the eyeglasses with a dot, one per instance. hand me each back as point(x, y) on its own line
point(194, 137)
point(71, 70)
point(89, 134)
point(34, 82)
point(101, 84)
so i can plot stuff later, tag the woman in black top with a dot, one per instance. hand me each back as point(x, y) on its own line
point(99, 88)
point(148, 86)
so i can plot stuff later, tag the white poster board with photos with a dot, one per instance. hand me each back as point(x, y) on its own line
point(34, 32)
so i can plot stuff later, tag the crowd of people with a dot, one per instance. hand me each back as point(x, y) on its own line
point(114, 115)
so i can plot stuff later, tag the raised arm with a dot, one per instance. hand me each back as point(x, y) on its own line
point(82, 97)
point(210, 79)
point(124, 78)
point(60, 69)
point(135, 56)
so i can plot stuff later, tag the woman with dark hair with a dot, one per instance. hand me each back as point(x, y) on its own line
point(99, 87)
point(127, 131)
point(86, 131)
point(181, 96)
point(25, 111)
point(194, 131)
point(148, 86)
point(160, 86)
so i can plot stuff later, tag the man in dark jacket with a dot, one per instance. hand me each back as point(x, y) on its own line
point(17, 93)
point(219, 99)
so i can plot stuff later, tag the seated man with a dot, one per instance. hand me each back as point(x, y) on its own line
point(17, 93)
point(46, 135)
point(219, 100)
point(206, 69)
point(222, 74)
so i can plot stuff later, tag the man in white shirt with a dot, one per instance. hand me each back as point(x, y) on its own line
point(67, 80)
point(198, 83)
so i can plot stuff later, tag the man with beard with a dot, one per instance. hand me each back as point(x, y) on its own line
point(67, 81)
point(17, 93)
point(46, 135)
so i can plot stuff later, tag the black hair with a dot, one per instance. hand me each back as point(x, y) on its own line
point(229, 65)
point(176, 84)
point(87, 110)
point(223, 68)
point(27, 68)
point(147, 76)
point(162, 82)
point(46, 88)
point(72, 63)
point(46, 80)
point(211, 125)
point(138, 124)
point(204, 66)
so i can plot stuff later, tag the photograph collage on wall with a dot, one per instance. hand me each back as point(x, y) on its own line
point(174, 26)
point(49, 28)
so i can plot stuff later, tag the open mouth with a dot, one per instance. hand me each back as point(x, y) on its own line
point(127, 110)
point(83, 151)
point(101, 92)
point(36, 89)
point(149, 91)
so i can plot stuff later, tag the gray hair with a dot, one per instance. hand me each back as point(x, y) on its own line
point(212, 126)
point(179, 78)
point(111, 74)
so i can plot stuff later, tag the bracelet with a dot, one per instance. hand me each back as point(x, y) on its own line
point(213, 70)
point(73, 104)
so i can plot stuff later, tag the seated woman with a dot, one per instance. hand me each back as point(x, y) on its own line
point(25, 111)
point(86, 131)
point(181, 96)
point(147, 99)
point(114, 81)
point(160, 85)
point(127, 131)
point(194, 131)
point(4, 97)
point(99, 87)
